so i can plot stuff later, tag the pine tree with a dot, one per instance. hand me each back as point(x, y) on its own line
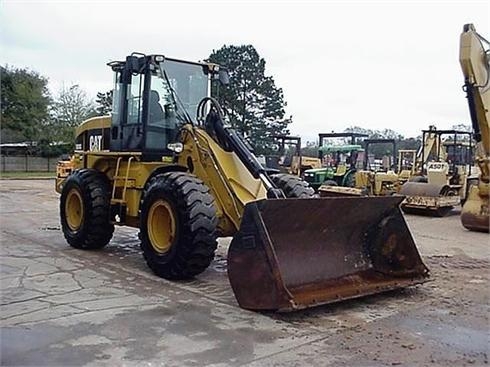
point(252, 102)
point(103, 103)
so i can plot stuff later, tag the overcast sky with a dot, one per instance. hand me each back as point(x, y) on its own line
point(385, 64)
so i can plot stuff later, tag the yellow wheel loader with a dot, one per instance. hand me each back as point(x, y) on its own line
point(474, 58)
point(443, 166)
point(184, 181)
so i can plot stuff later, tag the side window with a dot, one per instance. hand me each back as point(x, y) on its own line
point(116, 99)
point(162, 120)
point(134, 97)
point(161, 107)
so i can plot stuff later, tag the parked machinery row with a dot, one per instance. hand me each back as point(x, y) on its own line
point(448, 170)
point(434, 178)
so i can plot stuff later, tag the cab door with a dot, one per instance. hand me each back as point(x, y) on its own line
point(127, 111)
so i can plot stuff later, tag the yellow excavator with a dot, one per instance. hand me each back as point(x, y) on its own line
point(474, 57)
point(184, 181)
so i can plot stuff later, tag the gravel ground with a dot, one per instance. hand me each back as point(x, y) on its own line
point(61, 306)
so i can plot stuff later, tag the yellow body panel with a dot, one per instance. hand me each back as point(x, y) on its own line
point(99, 122)
point(298, 166)
point(377, 183)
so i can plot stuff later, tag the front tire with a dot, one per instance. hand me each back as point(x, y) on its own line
point(178, 225)
point(293, 186)
point(85, 210)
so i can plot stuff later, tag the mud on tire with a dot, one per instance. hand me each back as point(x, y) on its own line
point(192, 243)
point(85, 210)
point(293, 186)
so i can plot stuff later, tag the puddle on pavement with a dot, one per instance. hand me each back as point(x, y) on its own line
point(465, 339)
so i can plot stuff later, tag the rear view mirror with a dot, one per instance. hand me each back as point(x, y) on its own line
point(224, 77)
point(135, 64)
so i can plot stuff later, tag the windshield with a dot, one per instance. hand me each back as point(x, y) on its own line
point(459, 154)
point(181, 85)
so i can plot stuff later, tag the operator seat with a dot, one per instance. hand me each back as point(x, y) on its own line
point(155, 108)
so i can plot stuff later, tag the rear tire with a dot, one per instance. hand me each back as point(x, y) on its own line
point(293, 186)
point(85, 210)
point(178, 225)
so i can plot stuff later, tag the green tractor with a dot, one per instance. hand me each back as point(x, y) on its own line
point(340, 161)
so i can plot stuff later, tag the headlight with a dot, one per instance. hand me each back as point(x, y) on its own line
point(176, 147)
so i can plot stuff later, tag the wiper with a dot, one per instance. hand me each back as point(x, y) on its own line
point(177, 100)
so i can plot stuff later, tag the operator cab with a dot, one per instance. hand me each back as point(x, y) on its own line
point(153, 97)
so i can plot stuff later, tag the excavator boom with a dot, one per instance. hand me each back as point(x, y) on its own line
point(474, 58)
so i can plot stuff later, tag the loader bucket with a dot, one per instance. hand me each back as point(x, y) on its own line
point(295, 253)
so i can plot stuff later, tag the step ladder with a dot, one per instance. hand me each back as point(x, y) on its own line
point(119, 204)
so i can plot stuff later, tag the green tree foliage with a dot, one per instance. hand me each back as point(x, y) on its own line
point(252, 102)
point(24, 103)
point(310, 150)
point(379, 150)
point(462, 127)
point(103, 103)
point(70, 107)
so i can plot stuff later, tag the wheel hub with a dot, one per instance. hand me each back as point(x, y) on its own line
point(74, 210)
point(161, 226)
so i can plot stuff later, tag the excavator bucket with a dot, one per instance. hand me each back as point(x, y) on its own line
point(474, 215)
point(291, 254)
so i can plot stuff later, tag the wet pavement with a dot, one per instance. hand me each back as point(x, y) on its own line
point(62, 306)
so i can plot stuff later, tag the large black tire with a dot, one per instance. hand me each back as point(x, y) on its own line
point(293, 186)
point(178, 225)
point(85, 210)
point(349, 179)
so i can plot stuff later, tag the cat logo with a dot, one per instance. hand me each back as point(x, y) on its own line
point(95, 143)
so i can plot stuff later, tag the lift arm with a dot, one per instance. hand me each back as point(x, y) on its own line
point(474, 57)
